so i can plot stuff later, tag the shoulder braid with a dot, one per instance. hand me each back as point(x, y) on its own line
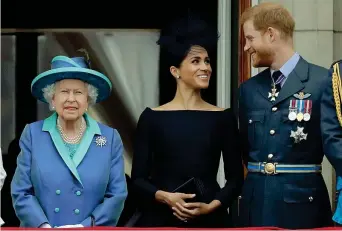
point(337, 91)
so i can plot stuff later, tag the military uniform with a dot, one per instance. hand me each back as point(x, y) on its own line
point(282, 148)
point(331, 124)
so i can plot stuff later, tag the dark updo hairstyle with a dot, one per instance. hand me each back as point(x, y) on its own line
point(185, 32)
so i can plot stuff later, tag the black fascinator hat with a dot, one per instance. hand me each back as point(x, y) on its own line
point(185, 32)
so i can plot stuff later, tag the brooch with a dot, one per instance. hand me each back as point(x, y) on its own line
point(100, 141)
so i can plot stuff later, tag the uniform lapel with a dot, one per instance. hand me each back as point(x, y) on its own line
point(265, 83)
point(92, 129)
point(294, 82)
point(50, 126)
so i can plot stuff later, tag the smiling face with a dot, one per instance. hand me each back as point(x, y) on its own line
point(258, 45)
point(70, 99)
point(195, 69)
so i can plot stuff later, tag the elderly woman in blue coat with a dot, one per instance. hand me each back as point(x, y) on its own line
point(70, 171)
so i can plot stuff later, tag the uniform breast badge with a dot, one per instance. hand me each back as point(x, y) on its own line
point(298, 135)
point(100, 141)
point(302, 105)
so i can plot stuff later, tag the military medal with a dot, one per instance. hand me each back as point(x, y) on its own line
point(300, 116)
point(307, 109)
point(292, 110)
point(298, 135)
point(300, 106)
point(273, 94)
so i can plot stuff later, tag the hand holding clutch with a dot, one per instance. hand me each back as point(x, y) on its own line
point(197, 205)
point(191, 210)
point(174, 199)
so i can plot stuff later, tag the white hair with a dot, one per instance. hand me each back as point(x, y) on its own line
point(50, 90)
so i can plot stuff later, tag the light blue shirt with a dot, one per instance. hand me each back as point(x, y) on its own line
point(288, 67)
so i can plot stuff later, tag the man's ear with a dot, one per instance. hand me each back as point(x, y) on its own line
point(272, 34)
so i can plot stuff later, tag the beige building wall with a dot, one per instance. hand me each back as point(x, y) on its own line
point(318, 38)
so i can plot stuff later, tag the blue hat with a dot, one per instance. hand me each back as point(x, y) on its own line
point(63, 67)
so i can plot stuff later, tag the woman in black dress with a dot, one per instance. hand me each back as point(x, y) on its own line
point(183, 140)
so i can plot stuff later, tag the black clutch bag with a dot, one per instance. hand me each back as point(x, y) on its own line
point(192, 186)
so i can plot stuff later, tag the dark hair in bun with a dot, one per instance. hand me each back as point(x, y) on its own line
point(185, 32)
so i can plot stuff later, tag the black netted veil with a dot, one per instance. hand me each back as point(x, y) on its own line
point(187, 31)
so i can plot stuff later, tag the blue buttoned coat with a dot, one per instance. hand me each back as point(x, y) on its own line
point(332, 136)
point(50, 187)
point(286, 200)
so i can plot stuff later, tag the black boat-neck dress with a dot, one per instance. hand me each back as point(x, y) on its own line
point(173, 146)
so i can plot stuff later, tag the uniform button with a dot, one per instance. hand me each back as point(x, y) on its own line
point(250, 121)
point(58, 191)
point(274, 108)
point(78, 193)
point(240, 197)
point(310, 199)
point(56, 210)
point(272, 132)
point(270, 156)
point(76, 211)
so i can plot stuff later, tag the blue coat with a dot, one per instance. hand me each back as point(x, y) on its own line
point(49, 186)
point(286, 200)
point(332, 135)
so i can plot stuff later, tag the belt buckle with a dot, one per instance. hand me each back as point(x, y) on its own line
point(270, 168)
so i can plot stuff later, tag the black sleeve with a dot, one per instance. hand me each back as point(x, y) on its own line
point(142, 159)
point(233, 167)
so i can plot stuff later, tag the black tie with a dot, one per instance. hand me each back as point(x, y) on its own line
point(275, 77)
